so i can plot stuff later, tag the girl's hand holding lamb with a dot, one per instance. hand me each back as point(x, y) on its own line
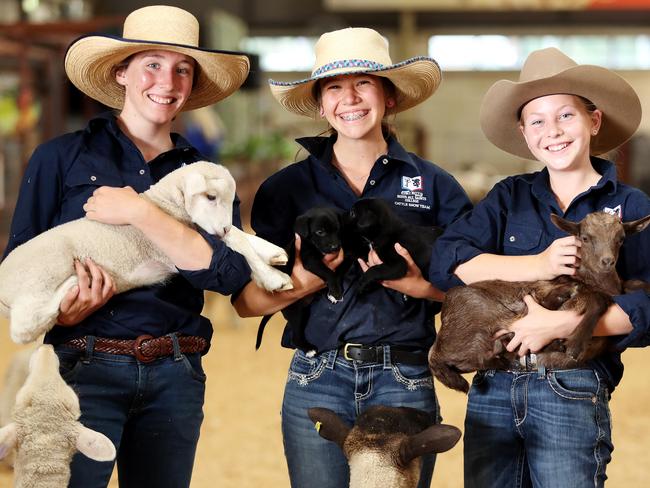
point(117, 206)
point(95, 288)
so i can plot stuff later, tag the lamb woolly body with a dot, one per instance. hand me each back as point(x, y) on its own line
point(45, 430)
point(35, 276)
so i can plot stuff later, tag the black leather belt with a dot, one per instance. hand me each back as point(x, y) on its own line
point(375, 354)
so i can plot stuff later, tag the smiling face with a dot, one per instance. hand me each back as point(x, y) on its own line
point(355, 105)
point(157, 84)
point(558, 130)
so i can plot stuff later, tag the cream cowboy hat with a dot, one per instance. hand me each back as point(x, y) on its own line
point(357, 50)
point(90, 60)
point(548, 72)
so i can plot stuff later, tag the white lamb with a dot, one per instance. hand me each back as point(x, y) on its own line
point(45, 430)
point(35, 276)
point(385, 445)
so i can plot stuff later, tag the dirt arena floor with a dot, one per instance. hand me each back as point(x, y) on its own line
point(241, 446)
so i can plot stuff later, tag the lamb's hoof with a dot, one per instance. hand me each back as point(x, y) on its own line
point(22, 337)
point(279, 259)
point(276, 281)
point(333, 299)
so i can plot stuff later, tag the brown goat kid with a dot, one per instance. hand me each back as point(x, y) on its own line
point(471, 315)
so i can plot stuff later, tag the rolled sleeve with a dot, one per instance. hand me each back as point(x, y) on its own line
point(637, 306)
point(228, 271)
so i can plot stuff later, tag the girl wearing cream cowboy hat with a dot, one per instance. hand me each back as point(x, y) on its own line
point(152, 411)
point(371, 349)
point(530, 426)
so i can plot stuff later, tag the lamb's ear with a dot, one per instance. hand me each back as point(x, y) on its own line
point(94, 444)
point(437, 438)
point(193, 183)
point(329, 425)
point(565, 225)
point(636, 225)
point(302, 226)
point(8, 437)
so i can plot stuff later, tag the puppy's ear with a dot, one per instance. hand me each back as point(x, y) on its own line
point(302, 226)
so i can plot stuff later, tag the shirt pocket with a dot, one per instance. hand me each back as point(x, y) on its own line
point(521, 239)
point(79, 186)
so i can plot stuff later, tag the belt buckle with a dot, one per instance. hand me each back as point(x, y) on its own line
point(137, 348)
point(345, 350)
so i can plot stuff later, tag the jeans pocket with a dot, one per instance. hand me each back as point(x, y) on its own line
point(413, 377)
point(575, 384)
point(305, 370)
point(194, 366)
point(69, 365)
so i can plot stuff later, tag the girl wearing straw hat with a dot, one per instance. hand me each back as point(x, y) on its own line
point(150, 407)
point(531, 426)
point(371, 348)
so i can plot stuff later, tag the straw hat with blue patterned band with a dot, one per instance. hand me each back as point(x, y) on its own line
point(358, 50)
point(91, 60)
point(549, 72)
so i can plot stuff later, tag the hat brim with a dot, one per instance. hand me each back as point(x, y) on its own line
point(90, 62)
point(415, 80)
point(610, 93)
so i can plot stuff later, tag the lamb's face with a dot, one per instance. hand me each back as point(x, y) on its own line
point(209, 195)
point(44, 385)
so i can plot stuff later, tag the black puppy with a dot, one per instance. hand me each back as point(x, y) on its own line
point(373, 224)
point(320, 233)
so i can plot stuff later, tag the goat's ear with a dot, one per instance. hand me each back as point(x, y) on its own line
point(8, 437)
point(636, 225)
point(437, 438)
point(565, 225)
point(94, 444)
point(302, 226)
point(329, 425)
point(193, 183)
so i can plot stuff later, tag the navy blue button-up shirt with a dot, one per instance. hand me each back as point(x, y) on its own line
point(420, 192)
point(514, 219)
point(63, 173)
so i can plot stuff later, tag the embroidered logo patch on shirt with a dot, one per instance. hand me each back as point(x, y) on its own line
point(617, 210)
point(412, 193)
point(414, 183)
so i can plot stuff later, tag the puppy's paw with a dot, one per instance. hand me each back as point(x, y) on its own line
point(333, 299)
point(311, 353)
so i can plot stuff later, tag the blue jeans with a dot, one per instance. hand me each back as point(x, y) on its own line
point(151, 411)
point(347, 388)
point(542, 429)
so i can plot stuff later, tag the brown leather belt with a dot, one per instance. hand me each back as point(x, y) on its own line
point(145, 348)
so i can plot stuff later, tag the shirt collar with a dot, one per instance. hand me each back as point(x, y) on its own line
point(108, 121)
point(321, 149)
point(608, 180)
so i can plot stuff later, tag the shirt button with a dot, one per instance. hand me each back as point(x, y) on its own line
point(385, 160)
point(93, 178)
point(372, 182)
point(512, 239)
point(141, 171)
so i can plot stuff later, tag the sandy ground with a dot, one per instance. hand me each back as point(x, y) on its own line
point(241, 445)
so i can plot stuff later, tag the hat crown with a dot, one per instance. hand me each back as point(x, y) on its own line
point(545, 63)
point(162, 23)
point(335, 49)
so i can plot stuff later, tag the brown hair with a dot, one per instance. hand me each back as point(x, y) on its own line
point(589, 106)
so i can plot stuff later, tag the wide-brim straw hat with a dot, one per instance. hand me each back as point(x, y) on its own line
point(91, 60)
point(550, 72)
point(358, 50)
